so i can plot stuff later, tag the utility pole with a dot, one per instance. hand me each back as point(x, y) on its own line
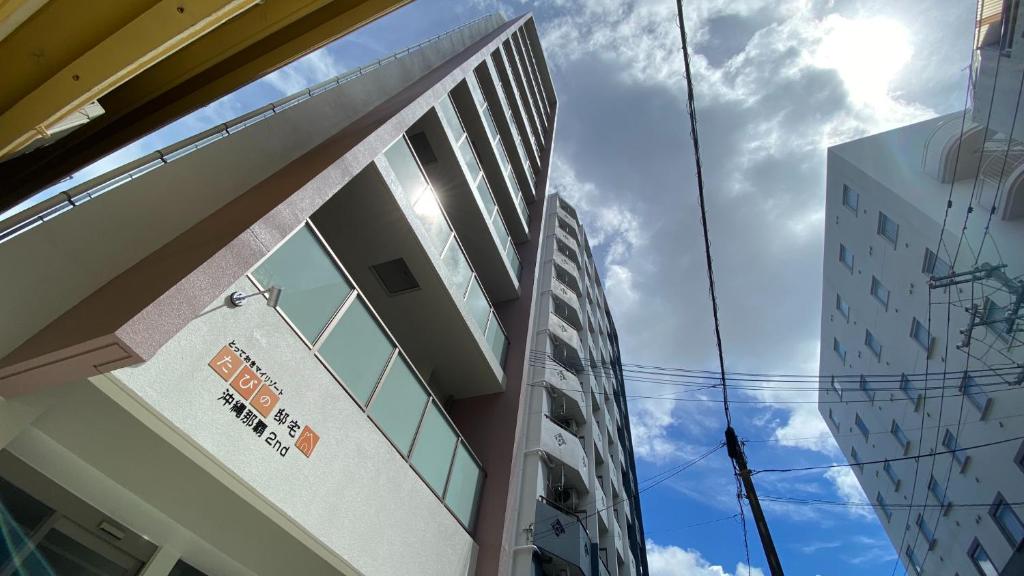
point(735, 449)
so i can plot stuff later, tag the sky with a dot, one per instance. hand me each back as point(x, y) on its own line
point(777, 82)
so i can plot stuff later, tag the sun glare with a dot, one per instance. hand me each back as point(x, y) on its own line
point(867, 53)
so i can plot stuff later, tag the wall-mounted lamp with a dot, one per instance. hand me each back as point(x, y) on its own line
point(236, 299)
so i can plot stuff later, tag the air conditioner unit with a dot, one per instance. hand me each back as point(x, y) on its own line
point(566, 497)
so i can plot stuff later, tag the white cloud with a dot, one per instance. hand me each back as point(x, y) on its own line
point(676, 561)
point(304, 72)
point(848, 488)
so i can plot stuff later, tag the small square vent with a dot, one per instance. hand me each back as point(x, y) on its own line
point(395, 276)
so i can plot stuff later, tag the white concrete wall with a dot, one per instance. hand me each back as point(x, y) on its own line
point(885, 170)
point(356, 493)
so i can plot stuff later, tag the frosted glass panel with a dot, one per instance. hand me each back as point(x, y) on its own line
point(492, 129)
point(313, 287)
point(357, 349)
point(478, 97)
point(484, 193)
point(429, 213)
point(496, 340)
point(457, 270)
point(398, 405)
point(434, 446)
point(466, 152)
point(403, 164)
point(499, 227)
point(463, 486)
point(450, 118)
point(477, 304)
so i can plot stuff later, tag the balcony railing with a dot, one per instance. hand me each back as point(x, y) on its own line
point(565, 446)
point(563, 536)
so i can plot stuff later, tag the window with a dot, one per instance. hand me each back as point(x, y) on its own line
point(851, 198)
point(912, 560)
point(836, 387)
point(843, 307)
point(880, 292)
point(312, 286)
point(873, 344)
point(865, 387)
point(464, 485)
point(950, 443)
point(435, 445)
point(996, 315)
point(1019, 458)
point(357, 350)
point(883, 506)
point(888, 228)
point(908, 388)
point(926, 531)
point(899, 435)
point(855, 459)
point(980, 559)
point(920, 334)
point(861, 426)
point(839, 349)
point(1008, 521)
point(832, 419)
point(398, 405)
point(934, 265)
point(890, 471)
point(846, 257)
point(937, 492)
point(973, 391)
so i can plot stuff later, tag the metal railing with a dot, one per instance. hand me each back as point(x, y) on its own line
point(68, 199)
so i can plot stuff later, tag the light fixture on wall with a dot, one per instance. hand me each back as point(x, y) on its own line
point(236, 299)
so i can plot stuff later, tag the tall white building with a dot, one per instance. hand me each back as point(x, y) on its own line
point(348, 332)
point(898, 381)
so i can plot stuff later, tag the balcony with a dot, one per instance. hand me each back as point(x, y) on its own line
point(600, 446)
point(562, 538)
point(481, 126)
point(565, 447)
point(601, 501)
point(618, 542)
point(389, 230)
point(517, 80)
point(450, 161)
point(566, 342)
point(568, 385)
point(566, 238)
point(567, 272)
point(518, 110)
point(494, 91)
point(529, 81)
point(564, 309)
point(566, 249)
point(566, 293)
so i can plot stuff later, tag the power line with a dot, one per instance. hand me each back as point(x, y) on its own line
point(856, 504)
point(916, 457)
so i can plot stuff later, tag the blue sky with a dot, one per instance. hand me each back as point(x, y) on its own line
point(777, 82)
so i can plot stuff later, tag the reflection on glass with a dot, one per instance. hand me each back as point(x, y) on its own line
point(313, 287)
point(496, 339)
point(477, 305)
point(463, 486)
point(403, 164)
point(450, 117)
point(398, 405)
point(466, 152)
point(428, 212)
point(435, 444)
point(457, 270)
point(357, 349)
point(499, 229)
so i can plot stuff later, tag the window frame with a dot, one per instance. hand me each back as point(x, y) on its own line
point(914, 325)
point(865, 387)
point(883, 506)
point(999, 503)
point(876, 288)
point(869, 337)
point(859, 423)
point(972, 552)
point(931, 260)
point(883, 219)
point(890, 472)
point(839, 349)
point(925, 530)
point(950, 442)
point(844, 251)
point(848, 193)
point(901, 437)
point(982, 406)
point(840, 305)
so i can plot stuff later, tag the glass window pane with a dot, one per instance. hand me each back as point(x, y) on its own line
point(474, 88)
point(398, 405)
point(464, 486)
point(483, 192)
point(184, 569)
point(66, 555)
point(492, 129)
point(477, 306)
point(457, 270)
point(500, 229)
point(466, 152)
point(450, 118)
point(428, 211)
point(434, 447)
point(312, 286)
point(403, 164)
point(496, 339)
point(513, 259)
point(357, 349)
